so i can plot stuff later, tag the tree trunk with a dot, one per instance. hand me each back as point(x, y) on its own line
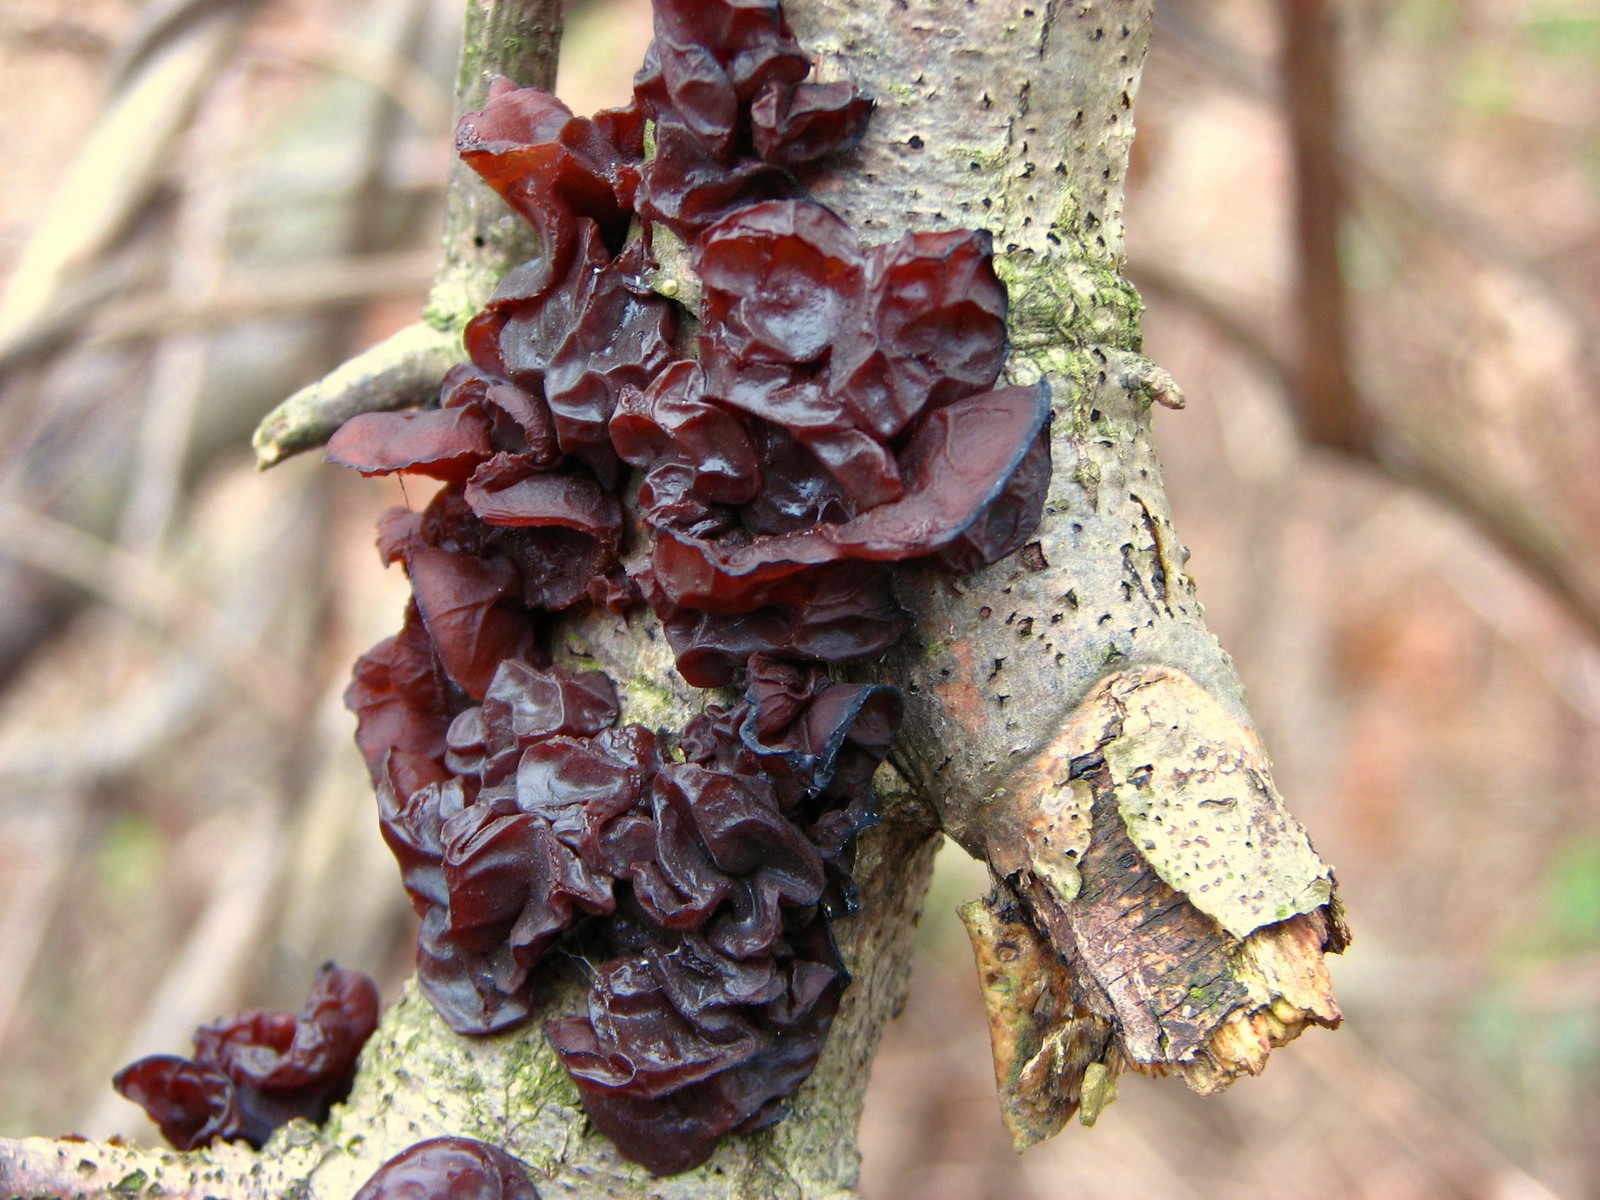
point(1070, 718)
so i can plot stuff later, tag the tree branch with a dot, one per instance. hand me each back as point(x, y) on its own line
point(1069, 717)
point(1421, 455)
point(1331, 410)
point(403, 370)
point(155, 91)
point(1324, 398)
point(1021, 678)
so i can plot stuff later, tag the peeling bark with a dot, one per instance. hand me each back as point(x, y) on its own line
point(1149, 847)
point(1070, 718)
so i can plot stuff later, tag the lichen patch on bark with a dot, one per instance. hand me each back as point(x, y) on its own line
point(1195, 791)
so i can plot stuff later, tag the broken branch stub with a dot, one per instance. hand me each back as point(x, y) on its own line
point(1187, 911)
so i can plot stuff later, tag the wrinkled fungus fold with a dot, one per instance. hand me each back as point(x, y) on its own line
point(752, 473)
point(255, 1071)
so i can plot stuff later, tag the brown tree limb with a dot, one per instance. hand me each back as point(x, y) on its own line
point(1330, 408)
point(1421, 455)
point(1427, 215)
point(115, 170)
point(1324, 399)
point(401, 371)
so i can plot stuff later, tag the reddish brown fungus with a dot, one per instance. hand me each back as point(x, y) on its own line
point(449, 1168)
point(446, 443)
point(836, 416)
point(258, 1070)
point(805, 122)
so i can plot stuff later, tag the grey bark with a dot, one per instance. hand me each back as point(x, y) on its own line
point(1070, 718)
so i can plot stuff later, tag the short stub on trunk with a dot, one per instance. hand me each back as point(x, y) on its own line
point(1155, 907)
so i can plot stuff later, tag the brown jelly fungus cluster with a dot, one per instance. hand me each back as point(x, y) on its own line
point(829, 412)
point(255, 1071)
point(449, 1168)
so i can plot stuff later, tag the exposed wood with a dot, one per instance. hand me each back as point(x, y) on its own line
point(1045, 1046)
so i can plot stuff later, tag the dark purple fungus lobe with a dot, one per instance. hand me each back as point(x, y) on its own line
point(256, 1071)
point(685, 188)
point(468, 604)
point(675, 430)
point(835, 613)
point(573, 326)
point(779, 279)
point(449, 1168)
point(193, 1105)
point(725, 84)
point(584, 339)
point(502, 855)
point(845, 349)
point(957, 464)
point(878, 335)
point(837, 414)
point(819, 743)
point(446, 443)
point(713, 61)
point(548, 164)
point(403, 703)
point(668, 1059)
point(718, 1008)
point(801, 123)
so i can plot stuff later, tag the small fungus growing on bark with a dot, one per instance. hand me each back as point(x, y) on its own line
point(255, 1071)
point(449, 1168)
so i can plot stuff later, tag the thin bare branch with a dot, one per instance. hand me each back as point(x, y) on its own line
point(129, 583)
point(283, 291)
point(1324, 396)
point(1422, 456)
point(114, 170)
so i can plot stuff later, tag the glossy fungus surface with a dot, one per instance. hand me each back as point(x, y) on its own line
point(255, 1071)
point(449, 1168)
point(753, 472)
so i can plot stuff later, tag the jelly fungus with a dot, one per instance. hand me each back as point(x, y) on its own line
point(830, 412)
